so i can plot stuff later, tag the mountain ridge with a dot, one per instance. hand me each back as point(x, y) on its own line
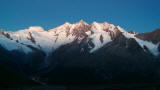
point(69, 32)
point(82, 53)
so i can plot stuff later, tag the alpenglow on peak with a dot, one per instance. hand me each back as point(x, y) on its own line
point(95, 35)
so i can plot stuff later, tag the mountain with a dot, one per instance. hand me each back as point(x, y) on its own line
point(82, 53)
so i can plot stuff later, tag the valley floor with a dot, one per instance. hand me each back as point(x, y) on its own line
point(108, 87)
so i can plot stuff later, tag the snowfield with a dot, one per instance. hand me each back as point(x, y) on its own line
point(49, 41)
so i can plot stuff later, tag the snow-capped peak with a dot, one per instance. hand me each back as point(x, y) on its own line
point(48, 41)
point(81, 22)
point(66, 24)
point(94, 23)
point(35, 28)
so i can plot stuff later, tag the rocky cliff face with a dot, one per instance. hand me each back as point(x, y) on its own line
point(81, 52)
point(151, 36)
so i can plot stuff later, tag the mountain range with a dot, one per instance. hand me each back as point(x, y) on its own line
point(82, 53)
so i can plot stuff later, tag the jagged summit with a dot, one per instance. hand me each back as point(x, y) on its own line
point(103, 48)
point(95, 34)
point(82, 53)
point(82, 22)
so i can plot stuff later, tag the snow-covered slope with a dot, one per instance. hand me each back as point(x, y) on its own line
point(11, 45)
point(50, 40)
point(153, 48)
point(99, 32)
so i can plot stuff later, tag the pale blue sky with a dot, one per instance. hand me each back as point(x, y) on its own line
point(138, 15)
